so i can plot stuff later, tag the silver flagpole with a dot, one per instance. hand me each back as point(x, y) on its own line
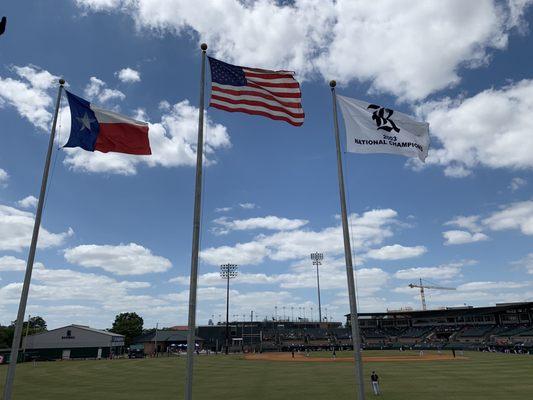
point(348, 256)
point(8, 389)
point(195, 236)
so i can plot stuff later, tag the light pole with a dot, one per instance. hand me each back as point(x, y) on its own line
point(317, 258)
point(228, 271)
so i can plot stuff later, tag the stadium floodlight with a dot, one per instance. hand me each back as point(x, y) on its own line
point(228, 271)
point(317, 260)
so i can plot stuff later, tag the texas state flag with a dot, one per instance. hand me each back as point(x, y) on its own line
point(93, 128)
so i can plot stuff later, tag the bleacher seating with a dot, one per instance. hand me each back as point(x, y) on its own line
point(477, 331)
point(415, 332)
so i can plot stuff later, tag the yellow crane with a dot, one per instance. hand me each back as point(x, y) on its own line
point(422, 287)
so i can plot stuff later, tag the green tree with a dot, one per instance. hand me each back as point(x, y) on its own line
point(37, 325)
point(128, 324)
point(6, 336)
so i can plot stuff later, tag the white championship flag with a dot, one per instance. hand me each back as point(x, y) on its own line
point(371, 128)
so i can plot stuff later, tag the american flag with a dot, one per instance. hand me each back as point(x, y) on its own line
point(272, 94)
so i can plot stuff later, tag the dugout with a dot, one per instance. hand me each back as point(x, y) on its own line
point(73, 342)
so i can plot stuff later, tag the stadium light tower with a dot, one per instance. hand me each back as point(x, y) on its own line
point(228, 271)
point(317, 260)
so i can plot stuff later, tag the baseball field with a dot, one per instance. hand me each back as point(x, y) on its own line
point(271, 376)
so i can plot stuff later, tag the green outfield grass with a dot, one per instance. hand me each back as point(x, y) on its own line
point(482, 376)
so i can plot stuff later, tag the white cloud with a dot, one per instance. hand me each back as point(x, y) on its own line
point(247, 206)
point(240, 254)
point(60, 286)
point(16, 227)
point(97, 90)
point(462, 237)
point(28, 202)
point(214, 279)
point(468, 222)
point(30, 95)
point(173, 143)
point(436, 38)
point(491, 129)
point(369, 229)
point(129, 75)
point(445, 271)
point(513, 216)
point(489, 285)
point(4, 176)
point(269, 222)
point(130, 259)
point(10, 263)
point(526, 262)
point(223, 209)
point(517, 183)
point(396, 252)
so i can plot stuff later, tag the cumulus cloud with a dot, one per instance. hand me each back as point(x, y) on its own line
point(4, 177)
point(368, 229)
point(445, 271)
point(490, 129)
point(129, 75)
point(517, 183)
point(98, 91)
point(29, 94)
point(512, 216)
point(226, 225)
point(247, 206)
point(468, 222)
point(173, 143)
point(124, 259)
point(396, 252)
point(16, 227)
point(28, 202)
point(526, 263)
point(107, 295)
point(462, 237)
point(323, 33)
point(223, 209)
point(10, 263)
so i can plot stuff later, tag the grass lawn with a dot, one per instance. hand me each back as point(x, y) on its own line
point(482, 376)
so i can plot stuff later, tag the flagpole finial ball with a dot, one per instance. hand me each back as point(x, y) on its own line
point(61, 81)
point(332, 84)
point(203, 46)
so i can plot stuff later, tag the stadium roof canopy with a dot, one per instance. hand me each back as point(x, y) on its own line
point(446, 312)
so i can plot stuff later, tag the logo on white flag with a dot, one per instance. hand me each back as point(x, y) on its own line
point(383, 121)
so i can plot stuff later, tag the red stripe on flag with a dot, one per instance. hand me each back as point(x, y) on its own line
point(294, 85)
point(123, 138)
point(258, 103)
point(268, 76)
point(266, 94)
point(255, 112)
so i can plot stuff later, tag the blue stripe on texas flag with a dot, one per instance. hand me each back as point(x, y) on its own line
point(84, 126)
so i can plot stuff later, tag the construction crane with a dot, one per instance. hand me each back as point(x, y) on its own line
point(423, 295)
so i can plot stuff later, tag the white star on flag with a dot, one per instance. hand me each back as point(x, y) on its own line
point(85, 122)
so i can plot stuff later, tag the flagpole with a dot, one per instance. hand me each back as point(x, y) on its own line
point(195, 236)
point(348, 257)
point(8, 389)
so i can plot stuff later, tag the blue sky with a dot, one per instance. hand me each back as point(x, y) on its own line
point(116, 232)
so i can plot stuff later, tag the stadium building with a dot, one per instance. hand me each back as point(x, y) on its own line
point(503, 326)
point(73, 341)
point(163, 340)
